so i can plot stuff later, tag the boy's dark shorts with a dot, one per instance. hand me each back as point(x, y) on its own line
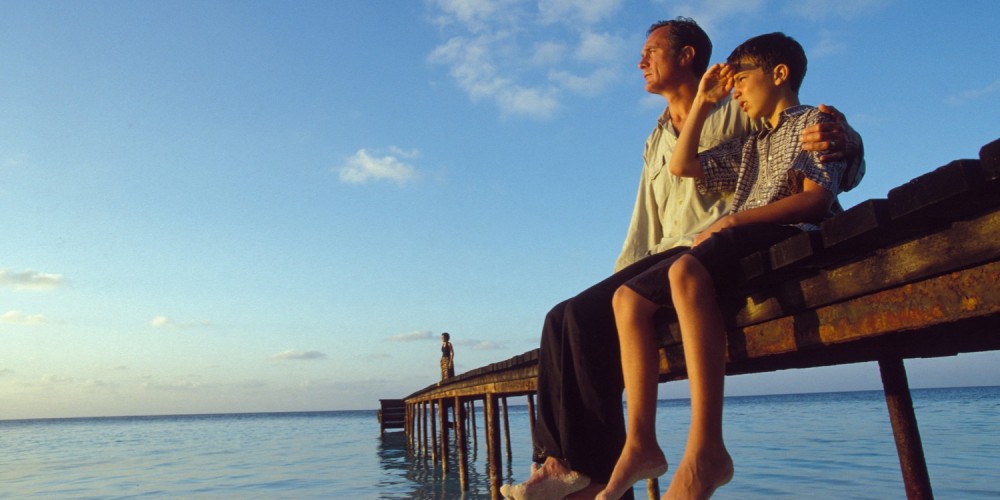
point(720, 254)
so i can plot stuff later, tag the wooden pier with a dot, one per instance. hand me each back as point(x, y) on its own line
point(912, 275)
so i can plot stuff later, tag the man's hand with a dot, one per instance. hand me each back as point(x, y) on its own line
point(828, 138)
point(716, 84)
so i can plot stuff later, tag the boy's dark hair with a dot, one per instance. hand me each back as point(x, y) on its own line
point(768, 51)
point(683, 31)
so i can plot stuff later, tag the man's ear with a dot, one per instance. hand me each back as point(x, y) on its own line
point(780, 74)
point(685, 56)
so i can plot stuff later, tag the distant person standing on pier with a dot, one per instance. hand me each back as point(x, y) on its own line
point(447, 357)
point(580, 430)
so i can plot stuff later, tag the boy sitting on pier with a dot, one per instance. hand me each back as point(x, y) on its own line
point(780, 190)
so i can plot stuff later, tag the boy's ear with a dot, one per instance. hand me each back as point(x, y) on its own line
point(780, 74)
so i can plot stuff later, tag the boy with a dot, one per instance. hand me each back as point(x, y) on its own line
point(779, 190)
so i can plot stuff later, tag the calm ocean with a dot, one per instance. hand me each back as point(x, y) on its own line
point(832, 445)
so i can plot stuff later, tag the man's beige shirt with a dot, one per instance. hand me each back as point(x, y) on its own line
point(669, 211)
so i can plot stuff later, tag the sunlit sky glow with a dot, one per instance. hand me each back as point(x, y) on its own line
point(216, 206)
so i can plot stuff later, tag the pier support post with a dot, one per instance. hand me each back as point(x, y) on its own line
point(531, 414)
point(424, 408)
point(443, 445)
point(653, 488)
point(433, 434)
point(461, 444)
point(904, 427)
point(493, 443)
point(472, 412)
point(506, 429)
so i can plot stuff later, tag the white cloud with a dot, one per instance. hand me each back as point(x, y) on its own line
point(502, 57)
point(19, 318)
point(478, 345)
point(592, 84)
point(577, 11)
point(6, 371)
point(30, 280)
point(296, 355)
point(413, 336)
point(475, 15)
point(165, 322)
point(363, 167)
point(973, 94)
point(830, 44)
point(820, 10)
point(712, 14)
point(601, 47)
point(547, 53)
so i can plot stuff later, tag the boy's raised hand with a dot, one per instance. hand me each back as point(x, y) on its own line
point(716, 84)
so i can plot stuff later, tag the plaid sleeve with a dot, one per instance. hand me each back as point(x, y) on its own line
point(720, 167)
point(828, 175)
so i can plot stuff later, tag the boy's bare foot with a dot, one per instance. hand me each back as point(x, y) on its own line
point(552, 480)
point(634, 464)
point(698, 476)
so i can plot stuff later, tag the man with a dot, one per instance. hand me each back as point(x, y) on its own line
point(580, 428)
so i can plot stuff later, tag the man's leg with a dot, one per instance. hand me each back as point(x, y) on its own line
point(580, 417)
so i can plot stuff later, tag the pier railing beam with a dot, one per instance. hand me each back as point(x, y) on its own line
point(904, 427)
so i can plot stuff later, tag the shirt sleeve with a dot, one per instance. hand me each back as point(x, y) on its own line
point(827, 175)
point(720, 167)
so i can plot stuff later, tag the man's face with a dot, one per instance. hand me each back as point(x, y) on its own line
point(752, 90)
point(659, 62)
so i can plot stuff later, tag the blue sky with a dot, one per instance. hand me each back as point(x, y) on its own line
point(276, 206)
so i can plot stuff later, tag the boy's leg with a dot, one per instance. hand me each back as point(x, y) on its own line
point(580, 419)
point(706, 464)
point(694, 281)
point(641, 457)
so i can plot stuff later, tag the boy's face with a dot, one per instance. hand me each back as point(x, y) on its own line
point(753, 89)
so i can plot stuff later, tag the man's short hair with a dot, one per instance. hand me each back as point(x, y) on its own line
point(770, 50)
point(683, 31)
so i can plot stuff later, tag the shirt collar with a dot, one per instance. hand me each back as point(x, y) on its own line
point(786, 114)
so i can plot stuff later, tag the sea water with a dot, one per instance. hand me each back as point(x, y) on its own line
point(831, 445)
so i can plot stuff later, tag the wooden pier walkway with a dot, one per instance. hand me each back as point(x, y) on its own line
point(912, 275)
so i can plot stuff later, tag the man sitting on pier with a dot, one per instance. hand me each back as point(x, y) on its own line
point(580, 430)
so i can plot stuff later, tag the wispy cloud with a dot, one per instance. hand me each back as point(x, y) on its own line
point(30, 280)
point(364, 167)
point(501, 51)
point(577, 11)
point(165, 322)
point(6, 371)
point(711, 15)
point(414, 336)
point(820, 10)
point(15, 317)
point(296, 355)
point(973, 94)
point(479, 345)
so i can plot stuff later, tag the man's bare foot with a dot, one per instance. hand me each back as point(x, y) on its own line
point(552, 480)
point(698, 476)
point(634, 465)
